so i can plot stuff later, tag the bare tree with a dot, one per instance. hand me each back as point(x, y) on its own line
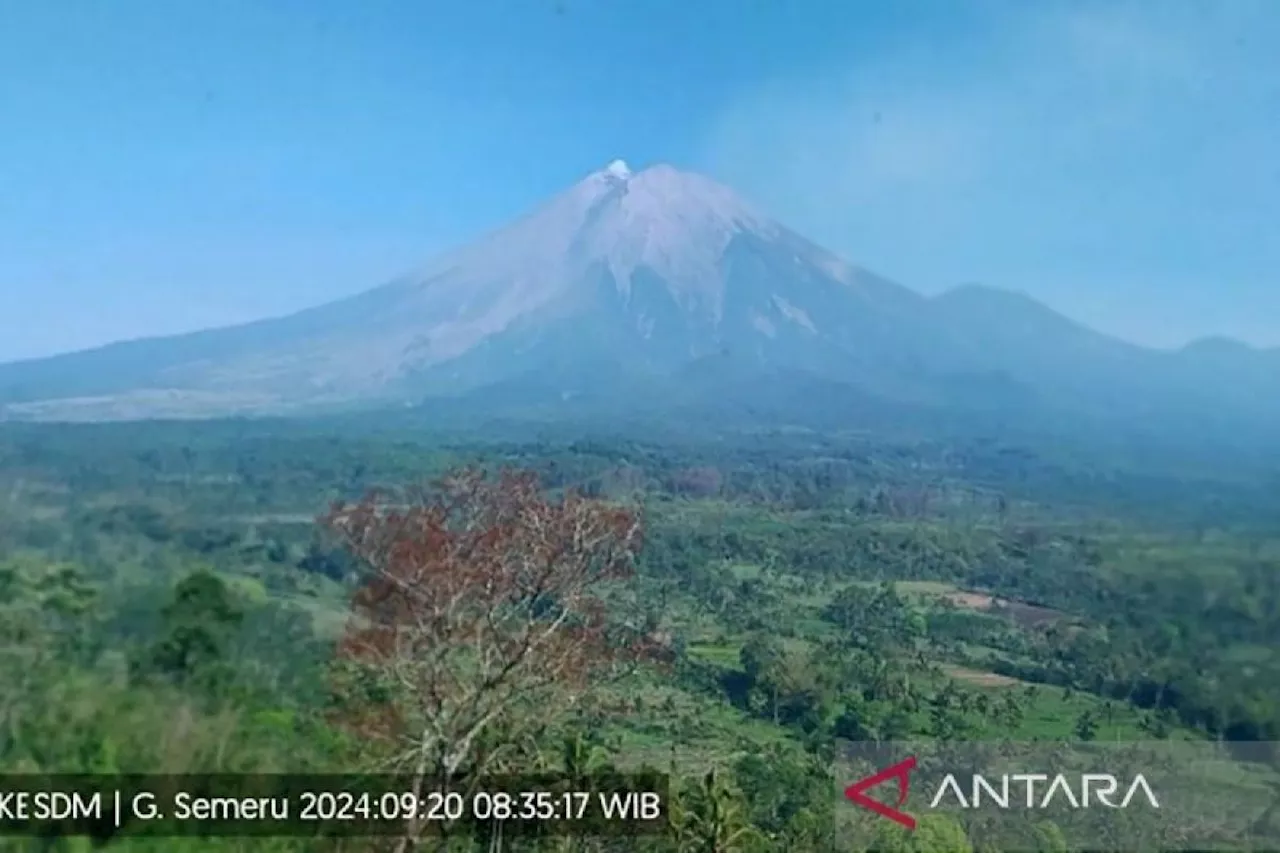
point(482, 612)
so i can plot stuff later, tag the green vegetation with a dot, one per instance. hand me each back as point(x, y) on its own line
point(170, 605)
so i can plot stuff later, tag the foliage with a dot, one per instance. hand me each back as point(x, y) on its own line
point(167, 603)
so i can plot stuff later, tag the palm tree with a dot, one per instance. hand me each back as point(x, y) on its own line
point(581, 758)
point(709, 819)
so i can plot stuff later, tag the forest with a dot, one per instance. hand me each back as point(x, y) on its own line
point(269, 597)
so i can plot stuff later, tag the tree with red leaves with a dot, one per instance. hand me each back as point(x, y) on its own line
point(482, 610)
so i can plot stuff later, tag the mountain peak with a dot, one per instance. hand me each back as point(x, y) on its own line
point(626, 272)
point(618, 169)
point(671, 197)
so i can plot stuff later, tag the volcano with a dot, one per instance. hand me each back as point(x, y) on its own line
point(645, 287)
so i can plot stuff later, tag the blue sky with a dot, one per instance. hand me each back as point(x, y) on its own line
point(171, 166)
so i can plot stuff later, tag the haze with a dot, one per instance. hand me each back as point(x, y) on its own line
point(178, 167)
point(715, 400)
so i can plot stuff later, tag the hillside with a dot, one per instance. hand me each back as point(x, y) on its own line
point(638, 292)
point(810, 597)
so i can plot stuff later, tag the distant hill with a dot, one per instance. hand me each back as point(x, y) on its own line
point(657, 293)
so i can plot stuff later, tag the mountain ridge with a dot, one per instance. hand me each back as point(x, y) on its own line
point(625, 279)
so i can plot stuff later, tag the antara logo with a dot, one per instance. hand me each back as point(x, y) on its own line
point(900, 771)
point(998, 791)
point(1076, 792)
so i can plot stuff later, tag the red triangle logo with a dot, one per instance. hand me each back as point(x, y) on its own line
point(900, 771)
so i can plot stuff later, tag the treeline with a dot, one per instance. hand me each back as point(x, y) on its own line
point(1163, 642)
point(162, 606)
point(274, 463)
point(1168, 634)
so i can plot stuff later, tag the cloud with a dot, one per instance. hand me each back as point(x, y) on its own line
point(1032, 85)
point(1040, 146)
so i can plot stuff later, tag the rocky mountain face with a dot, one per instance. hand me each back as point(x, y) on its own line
point(643, 288)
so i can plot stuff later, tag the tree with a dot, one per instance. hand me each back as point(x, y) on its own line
point(710, 818)
point(1008, 711)
point(786, 793)
point(1155, 724)
point(199, 626)
point(44, 611)
point(1050, 838)
point(933, 834)
point(482, 609)
point(580, 758)
point(763, 661)
point(1087, 725)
